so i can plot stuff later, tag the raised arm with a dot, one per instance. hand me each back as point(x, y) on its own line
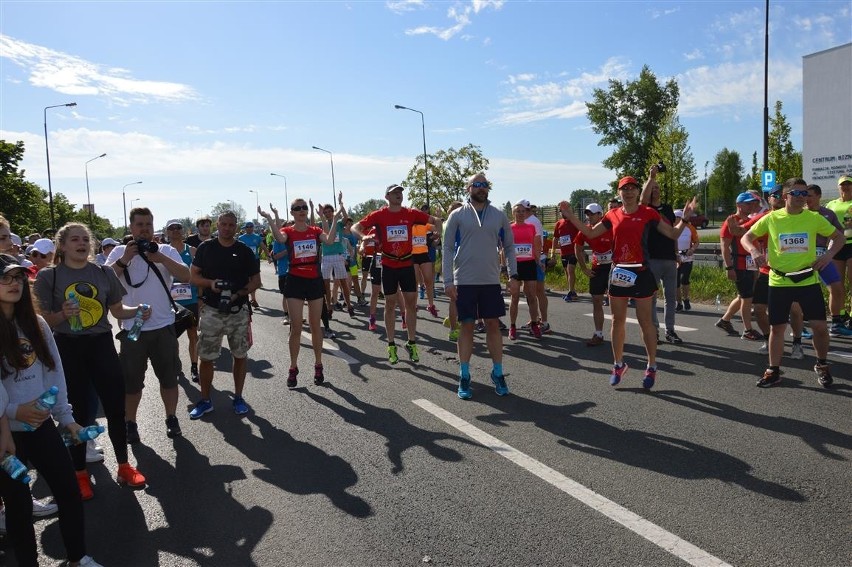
point(274, 224)
point(673, 232)
point(589, 232)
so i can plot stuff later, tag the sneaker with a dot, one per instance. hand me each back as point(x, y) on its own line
point(500, 386)
point(173, 427)
point(44, 508)
point(671, 337)
point(823, 377)
point(687, 306)
point(432, 310)
point(797, 352)
point(840, 330)
point(726, 326)
point(454, 335)
point(595, 340)
point(285, 320)
point(479, 328)
point(372, 324)
point(464, 388)
point(92, 455)
point(617, 374)
point(319, 377)
point(606, 301)
point(572, 296)
point(338, 306)
point(128, 475)
point(566, 298)
point(751, 335)
point(513, 333)
point(329, 334)
point(679, 306)
point(535, 329)
point(393, 357)
point(254, 303)
point(527, 326)
point(412, 352)
point(447, 322)
point(201, 407)
point(291, 378)
point(240, 406)
point(362, 301)
point(769, 379)
point(650, 378)
point(87, 561)
point(545, 328)
point(764, 348)
point(806, 334)
point(422, 292)
point(85, 485)
point(132, 433)
point(193, 372)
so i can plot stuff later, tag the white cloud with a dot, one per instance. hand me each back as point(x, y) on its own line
point(458, 13)
point(71, 75)
point(693, 55)
point(400, 6)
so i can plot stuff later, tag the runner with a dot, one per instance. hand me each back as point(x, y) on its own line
point(565, 235)
point(527, 251)
point(686, 245)
point(599, 272)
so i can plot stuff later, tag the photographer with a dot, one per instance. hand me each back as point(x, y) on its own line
point(227, 272)
point(134, 263)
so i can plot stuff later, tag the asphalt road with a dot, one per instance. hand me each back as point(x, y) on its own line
point(384, 465)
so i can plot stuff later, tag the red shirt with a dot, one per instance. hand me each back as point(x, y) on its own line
point(738, 253)
point(304, 250)
point(601, 247)
point(564, 236)
point(761, 243)
point(630, 233)
point(393, 233)
point(524, 235)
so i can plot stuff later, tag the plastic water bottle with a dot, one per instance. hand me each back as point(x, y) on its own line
point(718, 302)
point(74, 320)
point(15, 468)
point(86, 434)
point(136, 329)
point(45, 402)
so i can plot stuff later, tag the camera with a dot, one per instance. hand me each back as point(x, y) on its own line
point(146, 246)
point(225, 289)
point(661, 167)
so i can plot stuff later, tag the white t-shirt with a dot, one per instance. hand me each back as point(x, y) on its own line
point(533, 220)
point(150, 292)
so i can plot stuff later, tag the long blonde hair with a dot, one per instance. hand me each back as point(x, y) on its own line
point(62, 236)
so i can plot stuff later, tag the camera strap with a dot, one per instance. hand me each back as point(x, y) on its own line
point(162, 281)
point(127, 276)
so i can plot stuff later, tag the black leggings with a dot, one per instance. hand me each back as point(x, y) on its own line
point(91, 360)
point(44, 450)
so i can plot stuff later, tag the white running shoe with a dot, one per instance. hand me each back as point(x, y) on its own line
point(764, 348)
point(44, 508)
point(797, 352)
point(92, 454)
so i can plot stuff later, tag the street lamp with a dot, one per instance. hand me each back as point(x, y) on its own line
point(425, 160)
point(133, 201)
point(286, 199)
point(333, 190)
point(256, 202)
point(88, 197)
point(47, 154)
point(124, 201)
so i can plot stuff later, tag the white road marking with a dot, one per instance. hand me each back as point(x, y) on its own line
point(333, 349)
point(666, 540)
point(679, 328)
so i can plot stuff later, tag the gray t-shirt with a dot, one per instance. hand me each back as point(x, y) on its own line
point(96, 288)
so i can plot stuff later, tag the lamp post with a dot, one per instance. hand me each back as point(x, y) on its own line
point(425, 160)
point(124, 201)
point(333, 190)
point(47, 154)
point(286, 199)
point(88, 197)
point(133, 201)
point(256, 202)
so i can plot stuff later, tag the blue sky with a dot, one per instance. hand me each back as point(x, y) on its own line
point(201, 101)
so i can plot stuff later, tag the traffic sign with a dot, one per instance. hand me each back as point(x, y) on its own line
point(768, 178)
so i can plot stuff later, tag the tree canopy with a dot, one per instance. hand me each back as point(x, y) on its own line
point(672, 148)
point(449, 170)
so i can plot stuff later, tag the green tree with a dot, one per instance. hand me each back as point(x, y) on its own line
point(628, 116)
point(226, 206)
point(752, 181)
point(581, 197)
point(726, 179)
point(449, 170)
point(783, 157)
point(672, 148)
point(361, 210)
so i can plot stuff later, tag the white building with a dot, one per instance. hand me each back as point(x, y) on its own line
point(827, 117)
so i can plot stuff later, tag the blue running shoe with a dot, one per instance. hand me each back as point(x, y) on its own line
point(464, 388)
point(499, 384)
point(806, 334)
point(839, 330)
point(240, 406)
point(202, 407)
point(617, 374)
point(650, 378)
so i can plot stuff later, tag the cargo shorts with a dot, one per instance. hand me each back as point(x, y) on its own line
point(215, 325)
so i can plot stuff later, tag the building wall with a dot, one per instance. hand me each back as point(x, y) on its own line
point(827, 117)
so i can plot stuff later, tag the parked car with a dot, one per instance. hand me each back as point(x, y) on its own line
point(699, 221)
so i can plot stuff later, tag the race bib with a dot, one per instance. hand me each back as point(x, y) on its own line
point(418, 241)
point(523, 251)
point(181, 291)
point(621, 277)
point(793, 243)
point(304, 249)
point(377, 260)
point(565, 240)
point(750, 265)
point(603, 258)
point(397, 233)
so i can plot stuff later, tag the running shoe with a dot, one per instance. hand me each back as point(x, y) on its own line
point(764, 348)
point(87, 561)
point(566, 298)
point(726, 326)
point(432, 310)
point(372, 325)
point(545, 328)
point(329, 334)
point(393, 357)
point(500, 386)
point(595, 340)
point(650, 378)
point(572, 296)
point(201, 407)
point(43, 508)
point(464, 388)
point(671, 337)
point(823, 375)
point(480, 327)
point(92, 456)
point(513, 333)
point(806, 334)
point(127, 474)
point(319, 377)
point(412, 352)
point(454, 335)
point(240, 406)
point(769, 379)
point(193, 372)
point(797, 352)
point(85, 484)
point(254, 303)
point(751, 335)
point(606, 301)
point(839, 330)
point(617, 374)
point(687, 306)
point(679, 306)
point(535, 329)
point(422, 292)
point(292, 381)
point(527, 326)
point(447, 322)
point(173, 427)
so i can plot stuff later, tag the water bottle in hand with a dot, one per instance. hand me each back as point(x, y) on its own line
point(85, 434)
point(15, 468)
point(74, 320)
point(45, 402)
point(136, 329)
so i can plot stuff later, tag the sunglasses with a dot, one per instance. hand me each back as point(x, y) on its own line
point(298, 208)
point(480, 184)
point(8, 279)
point(799, 193)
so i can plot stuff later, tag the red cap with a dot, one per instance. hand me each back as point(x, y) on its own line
point(627, 181)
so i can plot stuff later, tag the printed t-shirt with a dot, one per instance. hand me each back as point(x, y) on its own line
point(564, 235)
point(419, 238)
point(601, 248)
point(304, 249)
point(742, 259)
point(630, 233)
point(524, 236)
point(253, 241)
point(394, 233)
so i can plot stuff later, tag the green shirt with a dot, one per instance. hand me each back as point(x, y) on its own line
point(843, 210)
point(792, 243)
